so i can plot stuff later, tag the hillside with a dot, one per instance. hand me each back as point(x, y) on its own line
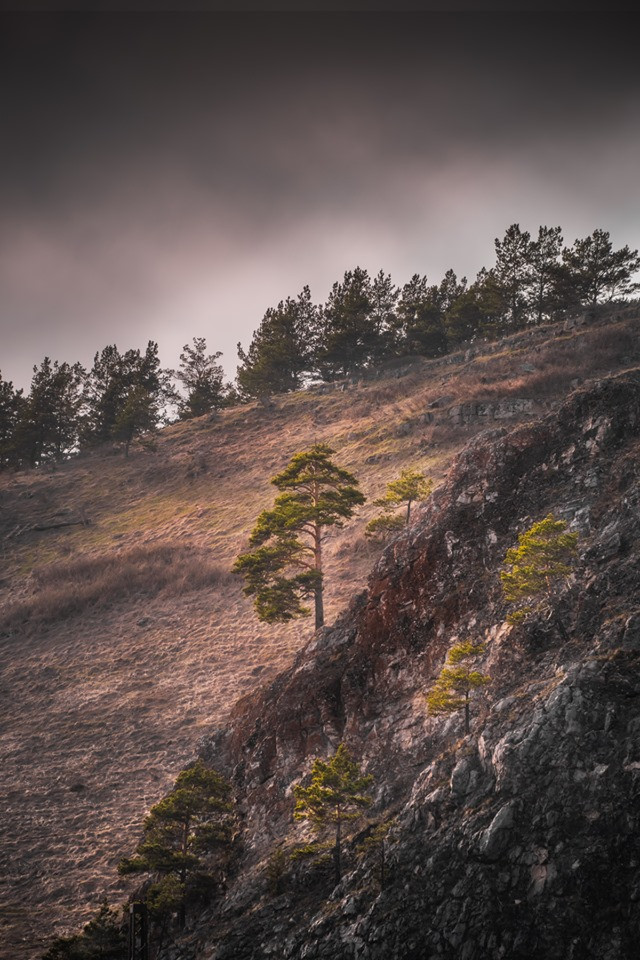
point(520, 839)
point(125, 640)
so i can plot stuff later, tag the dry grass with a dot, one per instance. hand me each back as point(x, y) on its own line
point(93, 583)
point(131, 640)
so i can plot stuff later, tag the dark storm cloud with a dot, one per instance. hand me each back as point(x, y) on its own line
point(173, 176)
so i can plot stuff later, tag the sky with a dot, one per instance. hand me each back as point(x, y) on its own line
point(165, 176)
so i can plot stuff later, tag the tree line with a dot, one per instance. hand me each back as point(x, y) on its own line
point(366, 320)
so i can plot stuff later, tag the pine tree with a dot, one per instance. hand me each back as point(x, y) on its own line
point(420, 319)
point(410, 487)
point(138, 418)
point(105, 391)
point(479, 310)
point(49, 418)
point(117, 380)
point(280, 354)
point(346, 341)
point(101, 939)
point(537, 566)
point(450, 290)
point(287, 565)
point(11, 402)
point(544, 263)
point(457, 682)
point(187, 838)
point(202, 377)
point(382, 316)
point(592, 271)
point(337, 794)
point(513, 273)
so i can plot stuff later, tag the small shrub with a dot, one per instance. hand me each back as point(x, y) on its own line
point(382, 528)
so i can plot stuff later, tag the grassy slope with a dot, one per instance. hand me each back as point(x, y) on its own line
point(126, 640)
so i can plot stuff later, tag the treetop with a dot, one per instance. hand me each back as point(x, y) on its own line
point(313, 466)
point(338, 789)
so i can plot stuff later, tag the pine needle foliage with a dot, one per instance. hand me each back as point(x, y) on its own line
point(383, 527)
point(410, 487)
point(186, 835)
point(337, 794)
point(535, 568)
point(102, 938)
point(285, 568)
point(458, 681)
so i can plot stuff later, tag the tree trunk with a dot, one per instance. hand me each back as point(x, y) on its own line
point(319, 600)
point(467, 725)
point(337, 850)
point(408, 511)
point(182, 913)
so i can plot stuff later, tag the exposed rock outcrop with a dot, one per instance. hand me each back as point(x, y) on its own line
point(523, 838)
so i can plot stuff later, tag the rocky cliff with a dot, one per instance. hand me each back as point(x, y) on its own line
point(521, 839)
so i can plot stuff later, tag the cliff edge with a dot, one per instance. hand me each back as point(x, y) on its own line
point(522, 838)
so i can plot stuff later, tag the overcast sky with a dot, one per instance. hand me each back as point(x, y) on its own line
point(169, 176)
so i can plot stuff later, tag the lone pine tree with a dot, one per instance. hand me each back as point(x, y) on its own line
point(337, 794)
point(286, 566)
point(458, 680)
point(537, 566)
point(187, 835)
point(410, 487)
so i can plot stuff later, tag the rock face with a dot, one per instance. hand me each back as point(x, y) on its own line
point(521, 839)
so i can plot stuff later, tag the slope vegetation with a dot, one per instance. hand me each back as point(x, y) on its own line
point(124, 637)
point(519, 839)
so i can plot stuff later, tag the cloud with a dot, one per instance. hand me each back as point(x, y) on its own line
point(172, 177)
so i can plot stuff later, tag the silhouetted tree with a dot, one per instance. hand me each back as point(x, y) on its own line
point(11, 402)
point(203, 379)
point(347, 340)
point(48, 423)
point(512, 272)
point(187, 838)
point(544, 262)
point(420, 319)
point(286, 566)
point(450, 290)
point(383, 301)
point(103, 938)
point(138, 418)
point(280, 353)
point(116, 381)
point(479, 310)
point(592, 271)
